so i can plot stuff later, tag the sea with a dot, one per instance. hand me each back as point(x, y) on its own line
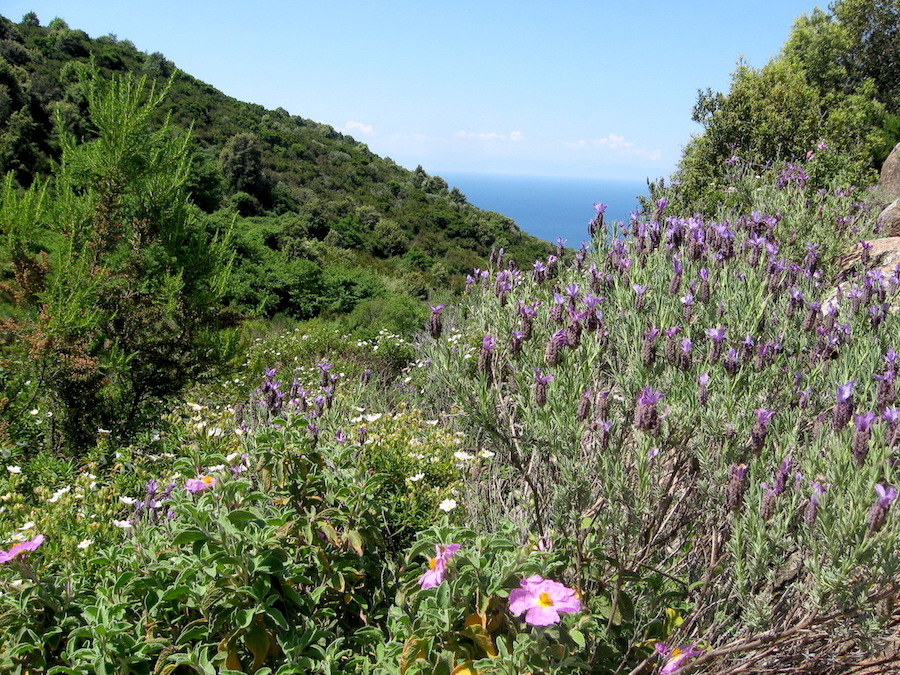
point(550, 207)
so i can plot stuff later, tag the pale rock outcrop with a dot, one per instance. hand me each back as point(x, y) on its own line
point(889, 181)
point(890, 219)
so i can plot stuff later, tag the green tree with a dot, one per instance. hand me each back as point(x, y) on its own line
point(31, 19)
point(120, 306)
point(241, 164)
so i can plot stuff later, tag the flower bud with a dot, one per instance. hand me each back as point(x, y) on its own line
point(734, 491)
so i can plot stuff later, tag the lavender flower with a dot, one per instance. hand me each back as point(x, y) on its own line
point(859, 446)
point(716, 340)
point(684, 360)
point(812, 506)
point(584, 405)
point(758, 434)
point(687, 302)
point(671, 346)
point(844, 405)
point(703, 288)
point(877, 515)
point(648, 347)
point(639, 292)
point(540, 388)
point(646, 416)
point(703, 388)
point(557, 341)
point(486, 357)
point(734, 491)
point(767, 505)
point(731, 362)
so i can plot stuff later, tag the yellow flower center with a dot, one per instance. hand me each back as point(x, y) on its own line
point(544, 600)
point(432, 563)
point(207, 479)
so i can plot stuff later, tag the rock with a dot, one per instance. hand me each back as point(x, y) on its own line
point(884, 255)
point(889, 182)
point(890, 220)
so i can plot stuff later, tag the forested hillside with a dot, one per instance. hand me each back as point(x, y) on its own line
point(833, 93)
point(320, 223)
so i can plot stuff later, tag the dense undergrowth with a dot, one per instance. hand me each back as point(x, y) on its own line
point(675, 450)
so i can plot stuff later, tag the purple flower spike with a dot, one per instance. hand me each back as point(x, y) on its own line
point(764, 416)
point(646, 416)
point(877, 516)
point(649, 396)
point(843, 408)
point(864, 421)
point(886, 494)
point(540, 378)
point(845, 391)
point(716, 334)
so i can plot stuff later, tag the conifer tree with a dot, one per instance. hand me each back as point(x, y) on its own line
point(115, 286)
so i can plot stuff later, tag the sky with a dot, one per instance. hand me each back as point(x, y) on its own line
point(586, 88)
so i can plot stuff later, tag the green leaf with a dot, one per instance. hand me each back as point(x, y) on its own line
point(176, 593)
point(188, 536)
point(355, 540)
point(241, 517)
point(193, 631)
point(577, 637)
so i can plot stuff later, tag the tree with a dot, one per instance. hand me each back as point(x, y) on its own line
point(873, 30)
point(120, 304)
point(31, 19)
point(241, 164)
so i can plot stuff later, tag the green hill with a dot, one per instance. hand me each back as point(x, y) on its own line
point(322, 223)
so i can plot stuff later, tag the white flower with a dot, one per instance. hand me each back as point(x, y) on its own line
point(463, 456)
point(124, 524)
point(447, 505)
point(431, 422)
point(233, 456)
point(214, 431)
point(373, 417)
point(417, 477)
point(100, 430)
point(35, 411)
point(127, 500)
point(14, 469)
point(59, 493)
point(416, 455)
point(214, 469)
point(27, 526)
point(84, 543)
point(487, 454)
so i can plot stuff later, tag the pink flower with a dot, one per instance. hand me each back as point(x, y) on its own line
point(676, 657)
point(6, 556)
point(437, 566)
point(199, 484)
point(542, 600)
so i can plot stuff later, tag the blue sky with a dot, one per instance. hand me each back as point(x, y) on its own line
point(571, 88)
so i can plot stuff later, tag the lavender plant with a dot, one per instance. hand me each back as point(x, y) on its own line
point(662, 500)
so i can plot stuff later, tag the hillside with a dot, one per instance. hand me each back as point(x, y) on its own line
point(321, 224)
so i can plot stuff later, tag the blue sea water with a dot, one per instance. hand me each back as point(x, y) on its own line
point(549, 206)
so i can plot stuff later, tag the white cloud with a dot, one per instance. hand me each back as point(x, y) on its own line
point(616, 144)
point(352, 127)
point(491, 136)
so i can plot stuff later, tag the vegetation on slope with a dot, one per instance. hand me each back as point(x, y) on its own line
point(676, 451)
point(833, 91)
point(321, 222)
